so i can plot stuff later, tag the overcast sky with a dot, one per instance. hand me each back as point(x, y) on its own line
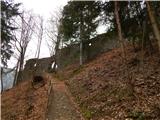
point(43, 8)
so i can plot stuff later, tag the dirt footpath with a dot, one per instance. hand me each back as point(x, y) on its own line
point(61, 105)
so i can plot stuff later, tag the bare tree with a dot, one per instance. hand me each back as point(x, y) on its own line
point(1, 69)
point(27, 26)
point(40, 36)
point(153, 22)
point(129, 81)
point(81, 41)
point(119, 28)
point(40, 29)
point(53, 29)
point(53, 33)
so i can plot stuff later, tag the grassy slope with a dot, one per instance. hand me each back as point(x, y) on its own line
point(101, 86)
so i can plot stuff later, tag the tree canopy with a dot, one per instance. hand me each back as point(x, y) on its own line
point(79, 18)
point(84, 17)
point(9, 10)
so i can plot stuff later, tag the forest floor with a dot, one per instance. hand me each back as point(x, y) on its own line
point(22, 102)
point(61, 105)
point(107, 88)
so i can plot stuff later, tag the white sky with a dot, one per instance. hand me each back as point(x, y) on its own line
point(43, 8)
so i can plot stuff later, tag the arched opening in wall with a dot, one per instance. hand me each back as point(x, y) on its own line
point(35, 64)
point(53, 64)
point(38, 81)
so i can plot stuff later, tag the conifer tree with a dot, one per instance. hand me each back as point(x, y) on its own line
point(79, 22)
point(9, 11)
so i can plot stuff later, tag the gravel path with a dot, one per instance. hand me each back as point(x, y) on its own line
point(61, 105)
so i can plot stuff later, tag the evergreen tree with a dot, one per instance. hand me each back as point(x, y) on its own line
point(9, 10)
point(133, 17)
point(79, 22)
point(79, 17)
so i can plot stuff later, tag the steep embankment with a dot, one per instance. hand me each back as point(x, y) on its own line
point(25, 103)
point(104, 91)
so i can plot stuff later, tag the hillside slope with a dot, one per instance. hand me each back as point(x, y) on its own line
point(22, 102)
point(102, 90)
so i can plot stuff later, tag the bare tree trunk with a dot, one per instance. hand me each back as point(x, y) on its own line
point(21, 63)
point(1, 85)
point(153, 22)
point(142, 46)
point(1, 80)
point(81, 53)
point(55, 37)
point(81, 42)
point(129, 81)
point(26, 33)
point(119, 29)
point(56, 51)
point(16, 74)
point(40, 37)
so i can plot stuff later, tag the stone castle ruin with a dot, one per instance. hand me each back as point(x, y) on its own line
point(91, 48)
point(37, 67)
point(70, 54)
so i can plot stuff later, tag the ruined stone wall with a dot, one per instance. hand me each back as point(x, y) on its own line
point(43, 65)
point(70, 54)
point(91, 48)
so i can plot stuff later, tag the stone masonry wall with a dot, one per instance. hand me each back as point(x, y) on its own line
point(91, 49)
point(70, 55)
point(43, 65)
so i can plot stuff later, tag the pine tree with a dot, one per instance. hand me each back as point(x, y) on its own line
point(79, 22)
point(9, 10)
